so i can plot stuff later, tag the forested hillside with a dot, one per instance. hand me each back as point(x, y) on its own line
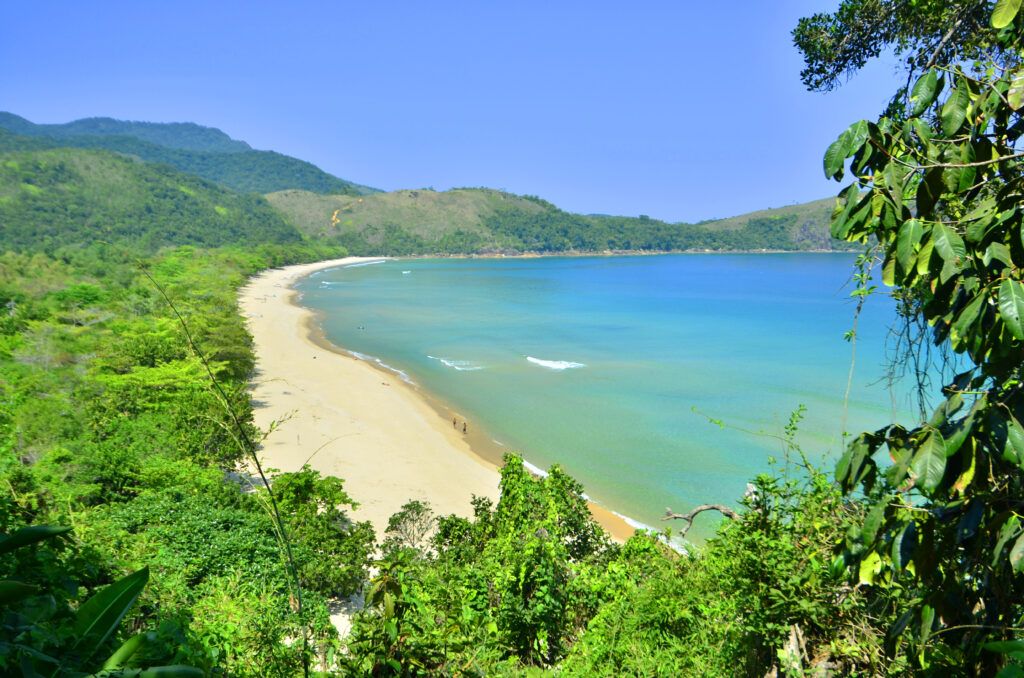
point(482, 221)
point(66, 197)
point(202, 151)
point(184, 135)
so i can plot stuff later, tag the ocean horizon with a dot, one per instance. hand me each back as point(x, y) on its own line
point(656, 381)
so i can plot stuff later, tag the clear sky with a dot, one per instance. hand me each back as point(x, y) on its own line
point(681, 110)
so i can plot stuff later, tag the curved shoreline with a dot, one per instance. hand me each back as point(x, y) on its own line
point(388, 440)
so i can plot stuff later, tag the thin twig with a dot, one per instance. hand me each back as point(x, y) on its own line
point(251, 448)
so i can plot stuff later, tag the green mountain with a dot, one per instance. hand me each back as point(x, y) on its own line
point(203, 151)
point(481, 221)
point(182, 135)
point(58, 198)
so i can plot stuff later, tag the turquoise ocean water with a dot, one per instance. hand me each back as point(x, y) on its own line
point(597, 363)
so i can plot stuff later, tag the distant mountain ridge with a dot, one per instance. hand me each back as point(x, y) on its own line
point(182, 135)
point(204, 151)
point(487, 221)
point(322, 207)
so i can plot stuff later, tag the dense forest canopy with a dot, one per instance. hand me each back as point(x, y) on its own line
point(184, 146)
point(183, 135)
point(66, 197)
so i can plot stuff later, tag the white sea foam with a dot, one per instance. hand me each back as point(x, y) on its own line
point(460, 365)
point(369, 358)
point(555, 364)
point(674, 544)
point(365, 263)
point(535, 470)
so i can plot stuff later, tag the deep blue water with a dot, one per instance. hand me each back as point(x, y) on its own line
point(597, 363)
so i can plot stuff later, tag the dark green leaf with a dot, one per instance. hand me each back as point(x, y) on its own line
point(858, 132)
point(889, 272)
point(997, 251)
point(967, 174)
point(1017, 554)
point(1011, 307)
point(29, 535)
point(924, 91)
point(13, 591)
point(969, 521)
point(965, 320)
point(948, 244)
point(954, 111)
point(903, 545)
point(835, 157)
point(909, 236)
point(97, 618)
point(872, 522)
point(1007, 532)
point(1004, 13)
point(929, 191)
point(927, 621)
point(929, 463)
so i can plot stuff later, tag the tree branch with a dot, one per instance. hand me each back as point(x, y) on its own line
point(688, 517)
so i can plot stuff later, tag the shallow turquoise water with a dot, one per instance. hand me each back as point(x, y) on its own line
point(597, 363)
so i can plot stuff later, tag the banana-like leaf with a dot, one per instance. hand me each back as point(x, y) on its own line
point(97, 618)
point(29, 535)
point(13, 591)
point(154, 672)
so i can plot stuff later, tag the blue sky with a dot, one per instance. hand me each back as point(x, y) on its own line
point(680, 110)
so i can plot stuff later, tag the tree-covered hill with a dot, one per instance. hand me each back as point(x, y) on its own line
point(203, 151)
point(479, 220)
point(62, 198)
point(183, 135)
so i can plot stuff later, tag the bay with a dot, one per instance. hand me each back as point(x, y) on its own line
point(620, 368)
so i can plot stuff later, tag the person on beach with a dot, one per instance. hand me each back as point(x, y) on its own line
point(455, 423)
point(463, 427)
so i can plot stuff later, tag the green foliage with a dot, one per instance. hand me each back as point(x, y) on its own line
point(189, 148)
point(937, 187)
point(41, 635)
point(87, 196)
point(333, 551)
point(923, 32)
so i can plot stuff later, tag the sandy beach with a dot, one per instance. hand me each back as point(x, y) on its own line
point(354, 421)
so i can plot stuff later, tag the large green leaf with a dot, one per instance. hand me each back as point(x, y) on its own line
point(836, 156)
point(153, 672)
point(929, 463)
point(954, 111)
point(29, 535)
point(924, 257)
point(97, 618)
point(1008, 531)
point(907, 240)
point(1017, 554)
point(858, 132)
point(924, 92)
point(929, 191)
point(965, 320)
point(1011, 307)
point(948, 244)
point(1005, 12)
point(13, 591)
point(1015, 95)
